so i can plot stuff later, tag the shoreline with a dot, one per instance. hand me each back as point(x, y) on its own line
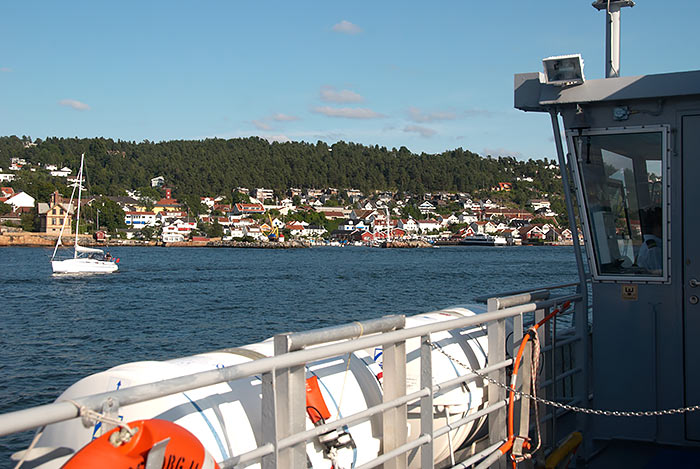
point(30, 239)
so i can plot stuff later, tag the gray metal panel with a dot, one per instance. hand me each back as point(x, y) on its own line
point(691, 195)
point(624, 358)
point(624, 88)
point(527, 91)
point(532, 95)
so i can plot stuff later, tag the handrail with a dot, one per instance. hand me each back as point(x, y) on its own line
point(485, 298)
point(27, 419)
point(309, 346)
point(367, 413)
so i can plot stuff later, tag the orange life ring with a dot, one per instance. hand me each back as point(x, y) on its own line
point(183, 450)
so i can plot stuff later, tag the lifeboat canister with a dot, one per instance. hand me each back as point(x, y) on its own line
point(164, 443)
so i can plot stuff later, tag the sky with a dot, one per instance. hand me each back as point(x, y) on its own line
point(430, 75)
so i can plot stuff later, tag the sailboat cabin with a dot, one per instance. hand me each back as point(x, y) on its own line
point(53, 213)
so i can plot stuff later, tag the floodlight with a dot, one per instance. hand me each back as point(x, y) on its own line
point(563, 70)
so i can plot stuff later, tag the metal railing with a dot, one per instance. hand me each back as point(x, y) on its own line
point(284, 436)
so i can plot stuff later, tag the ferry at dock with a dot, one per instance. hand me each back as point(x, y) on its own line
point(599, 373)
point(483, 240)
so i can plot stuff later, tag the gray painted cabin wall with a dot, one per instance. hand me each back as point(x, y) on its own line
point(639, 361)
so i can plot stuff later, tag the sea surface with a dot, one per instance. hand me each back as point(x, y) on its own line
point(170, 302)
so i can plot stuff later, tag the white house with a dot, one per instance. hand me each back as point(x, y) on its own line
point(20, 201)
point(157, 181)
point(483, 227)
point(263, 194)
point(408, 225)
point(140, 219)
point(254, 232)
point(6, 177)
point(426, 207)
point(448, 220)
point(426, 226)
point(173, 237)
point(61, 173)
point(178, 227)
point(467, 218)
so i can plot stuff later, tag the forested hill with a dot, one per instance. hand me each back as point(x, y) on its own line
point(216, 166)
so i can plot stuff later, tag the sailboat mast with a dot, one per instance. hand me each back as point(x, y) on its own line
point(80, 191)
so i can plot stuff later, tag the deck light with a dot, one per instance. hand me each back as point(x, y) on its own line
point(563, 70)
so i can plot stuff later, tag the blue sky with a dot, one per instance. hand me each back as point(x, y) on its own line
point(431, 76)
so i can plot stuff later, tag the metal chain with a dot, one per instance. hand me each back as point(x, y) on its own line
point(560, 405)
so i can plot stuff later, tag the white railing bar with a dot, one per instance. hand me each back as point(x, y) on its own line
point(464, 420)
point(27, 419)
point(421, 440)
point(363, 415)
point(454, 382)
point(480, 455)
point(521, 299)
point(367, 413)
point(243, 458)
point(299, 340)
point(484, 298)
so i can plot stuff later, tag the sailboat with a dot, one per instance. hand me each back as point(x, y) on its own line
point(85, 260)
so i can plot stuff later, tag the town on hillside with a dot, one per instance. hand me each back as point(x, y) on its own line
point(317, 215)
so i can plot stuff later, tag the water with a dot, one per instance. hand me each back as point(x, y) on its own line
point(170, 302)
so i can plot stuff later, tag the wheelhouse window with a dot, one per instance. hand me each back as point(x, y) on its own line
point(622, 180)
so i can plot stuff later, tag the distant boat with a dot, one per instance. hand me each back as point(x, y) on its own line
point(483, 240)
point(85, 260)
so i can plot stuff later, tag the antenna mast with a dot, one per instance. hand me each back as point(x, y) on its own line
point(612, 33)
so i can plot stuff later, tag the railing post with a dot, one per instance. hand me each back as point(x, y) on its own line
point(497, 353)
point(289, 391)
point(394, 421)
point(269, 416)
point(426, 402)
point(546, 431)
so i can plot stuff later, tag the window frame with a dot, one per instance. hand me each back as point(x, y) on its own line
point(575, 162)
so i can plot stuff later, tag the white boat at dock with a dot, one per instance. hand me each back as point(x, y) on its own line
point(483, 240)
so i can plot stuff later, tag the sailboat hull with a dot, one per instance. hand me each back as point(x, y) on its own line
point(83, 266)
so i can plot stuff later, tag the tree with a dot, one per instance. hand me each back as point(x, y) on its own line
point(29, 221)
point(111, 214)
point(147, 232)
point(5, 208)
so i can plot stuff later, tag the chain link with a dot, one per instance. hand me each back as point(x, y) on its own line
point(561, 405)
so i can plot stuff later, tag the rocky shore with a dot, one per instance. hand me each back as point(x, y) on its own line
point(407, 244)
point(15, 237)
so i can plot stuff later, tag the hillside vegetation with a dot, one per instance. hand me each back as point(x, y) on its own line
point(217, 166)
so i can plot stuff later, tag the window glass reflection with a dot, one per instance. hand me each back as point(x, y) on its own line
point(622, 183)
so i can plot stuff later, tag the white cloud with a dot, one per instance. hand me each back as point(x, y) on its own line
point(416, 115)
point(330, 94)
point(419, 129)
point(279, 117)
point(346, 27)
point(276, 138)
point(496, 152)
point(350, 113)
point(261, 125)
point(72, 103)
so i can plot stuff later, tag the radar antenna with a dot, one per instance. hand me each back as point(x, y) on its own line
point(612, 33)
